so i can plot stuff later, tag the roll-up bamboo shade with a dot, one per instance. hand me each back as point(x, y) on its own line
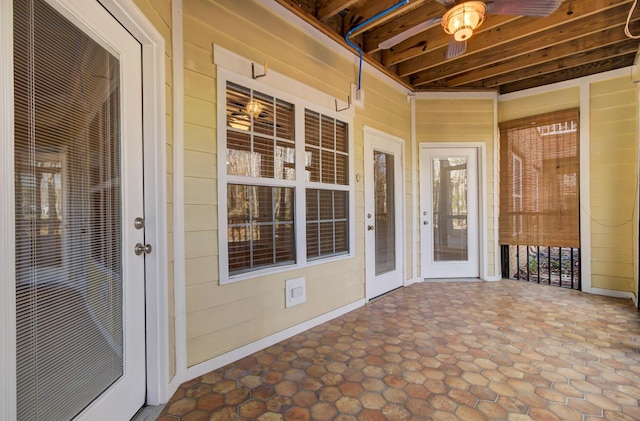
point(539, 180)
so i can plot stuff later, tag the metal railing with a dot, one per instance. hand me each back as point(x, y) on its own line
point(557, 266)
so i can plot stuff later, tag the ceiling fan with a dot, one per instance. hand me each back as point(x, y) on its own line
point(462, 18)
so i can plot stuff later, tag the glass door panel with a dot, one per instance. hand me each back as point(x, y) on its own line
point(385, 232)
point(450, 241)
point(68, 210)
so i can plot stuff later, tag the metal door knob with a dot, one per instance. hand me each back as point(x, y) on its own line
point(140, 249)
point(370, 227)
point(426, 222)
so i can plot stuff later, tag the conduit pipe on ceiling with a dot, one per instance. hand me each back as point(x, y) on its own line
point(363, 24)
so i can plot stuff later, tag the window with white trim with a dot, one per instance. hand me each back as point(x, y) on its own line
point(326, 162)
point(281, 212)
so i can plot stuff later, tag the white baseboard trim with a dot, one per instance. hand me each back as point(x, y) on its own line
point(412, 281)
point(493, 278)
point(243, 351)
point(612, 293)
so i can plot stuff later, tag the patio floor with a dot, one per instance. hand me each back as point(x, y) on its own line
point(441, 351)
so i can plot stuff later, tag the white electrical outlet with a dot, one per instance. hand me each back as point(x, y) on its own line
point(296, 291)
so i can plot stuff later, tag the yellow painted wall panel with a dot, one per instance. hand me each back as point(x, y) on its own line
point(463, 120)
point(611, 282)
point(252, 330)
point(197, 85)
point(539, 104)
point(199, 164)
point(197, 111)
point(199, 59)
point(199, 138)
point(201, 244)
point(201, 270)
point(200, 217)
point(614, 168)
point(614, 255)
point(200, 191)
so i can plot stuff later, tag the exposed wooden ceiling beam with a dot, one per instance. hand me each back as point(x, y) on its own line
point(573, 73)
point(512, 45)
point(296, 10)
point(333, 7)
point(596, 40)
point(400, 24)
point(577, 60)
point(432, 39)
point(375, 7)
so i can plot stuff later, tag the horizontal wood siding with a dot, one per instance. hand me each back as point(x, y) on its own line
point(464, 120)
point(614, 188)
point(223, 318)
point(613, 167)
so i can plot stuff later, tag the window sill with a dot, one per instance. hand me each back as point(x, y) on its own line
point(281, 269)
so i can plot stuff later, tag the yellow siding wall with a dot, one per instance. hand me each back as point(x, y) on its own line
point(614, 183)
point(613, 166)
point(464, 120)
point(159, 14)
point(222, 318)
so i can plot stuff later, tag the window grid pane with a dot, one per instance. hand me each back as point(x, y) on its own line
point(326, 153)
point(259, 227)
point(327, 223)
point(260, 134)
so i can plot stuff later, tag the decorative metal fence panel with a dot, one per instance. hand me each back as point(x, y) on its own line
point(557, 266)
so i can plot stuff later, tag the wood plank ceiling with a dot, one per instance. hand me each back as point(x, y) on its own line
point(506, 53)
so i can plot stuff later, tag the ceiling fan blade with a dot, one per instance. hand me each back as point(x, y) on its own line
point(538, 8)
point(397, 39)
point(456, 48)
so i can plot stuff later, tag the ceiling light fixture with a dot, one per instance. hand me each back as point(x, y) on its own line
point(462, 19)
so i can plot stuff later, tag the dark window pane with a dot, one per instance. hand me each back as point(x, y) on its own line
point(263, 157)
point(342, 137)
point(238, 153)
point(312, 164)
point(326, 205)
point(312, 128)
point(313, 242)
point(312, 204)
point(326, 238)
point(285, 243)
point(285, 121)
point(328, 133)
point(342, 169)
point(328, 167)
point(341, 202)
point(261, 109)
point(342, 237)
point(285, 161)
point(260, 229)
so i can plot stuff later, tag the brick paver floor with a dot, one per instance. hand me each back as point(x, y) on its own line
point(442, 351)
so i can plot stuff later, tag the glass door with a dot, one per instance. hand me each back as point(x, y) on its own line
point(383, 219)
point(449, 213)
point(78, 182)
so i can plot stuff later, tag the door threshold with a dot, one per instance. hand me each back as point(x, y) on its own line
point(148, 413)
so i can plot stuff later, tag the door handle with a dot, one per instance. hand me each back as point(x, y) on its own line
point(425, 223)
point(370, 228)
point(140, 249)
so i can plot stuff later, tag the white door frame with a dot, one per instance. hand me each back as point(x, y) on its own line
point(154, 140)
point(369, 134)
point(483, 247)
